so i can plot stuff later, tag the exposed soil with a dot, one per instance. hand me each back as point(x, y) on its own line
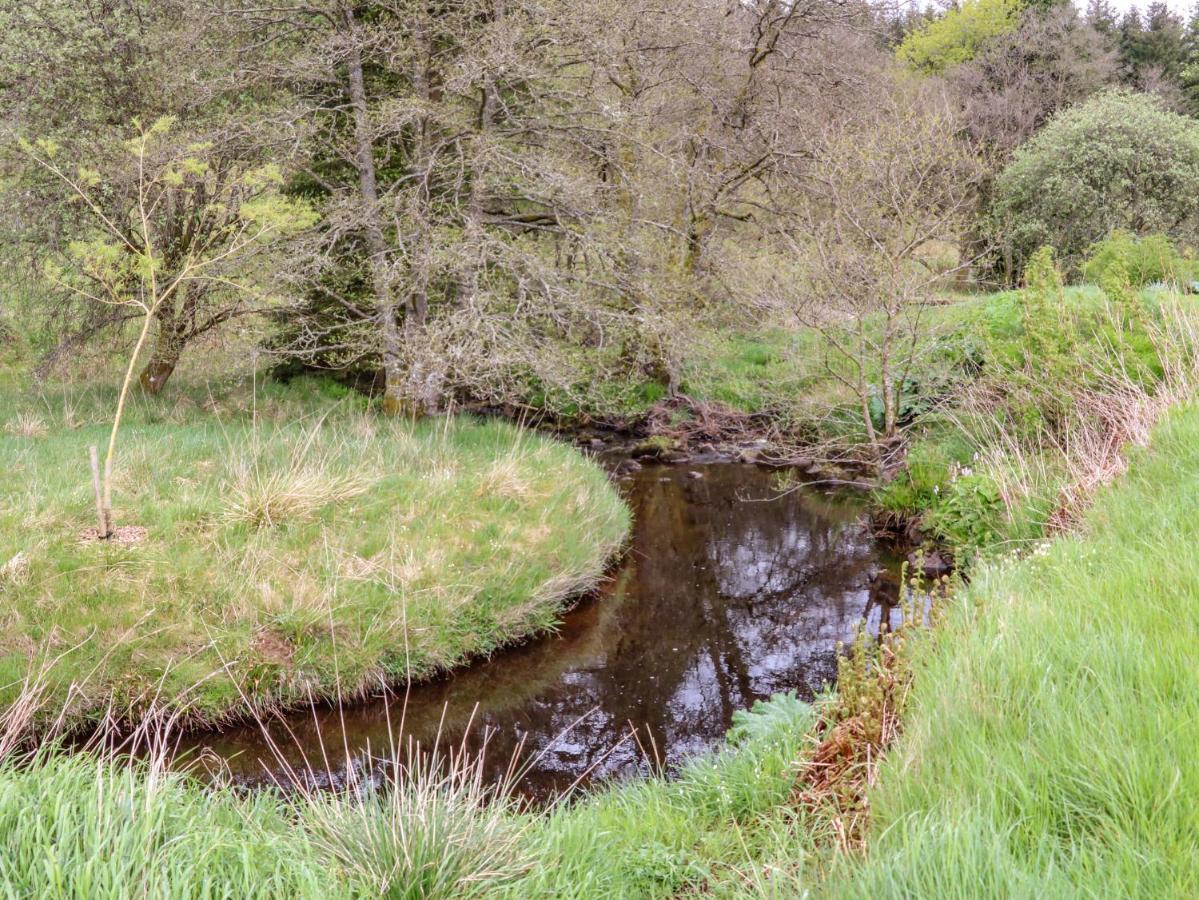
point(121, 534)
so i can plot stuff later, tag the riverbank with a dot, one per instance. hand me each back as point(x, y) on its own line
point(1050, 721)
point(1049, 746)
point(1013, 400)
point(277, 544)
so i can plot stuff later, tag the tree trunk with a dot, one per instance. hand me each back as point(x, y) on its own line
point(168, 347)
point(376, 243)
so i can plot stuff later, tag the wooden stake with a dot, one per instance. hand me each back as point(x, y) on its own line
point(101, 520)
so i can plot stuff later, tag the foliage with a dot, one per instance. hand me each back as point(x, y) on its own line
point(969, 513)
point(1143, 260)
point(959, 34)
point(1076, 659)
point(1062, 378)
point(1016, 82)
point(1048, 334)
point(1119, 160)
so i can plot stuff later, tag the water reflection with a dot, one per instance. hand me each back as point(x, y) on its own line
point(730, 593)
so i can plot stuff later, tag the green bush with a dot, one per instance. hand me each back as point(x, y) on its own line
point(1119, 160)
point(1146, 260)
point(957, 36)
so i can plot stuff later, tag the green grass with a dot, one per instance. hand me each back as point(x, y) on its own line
point(723, 827)
point(1049, 750)
point(296, 543)
point(72, 826)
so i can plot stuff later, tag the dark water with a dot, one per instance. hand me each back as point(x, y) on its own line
point(730, 593)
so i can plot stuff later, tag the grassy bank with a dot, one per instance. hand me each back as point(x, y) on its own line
point(294, 543)
point(1049, 747)
point(74, 827)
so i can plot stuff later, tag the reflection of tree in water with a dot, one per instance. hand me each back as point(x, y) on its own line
point(731, 593)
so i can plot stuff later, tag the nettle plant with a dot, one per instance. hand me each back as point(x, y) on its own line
point(169, 228)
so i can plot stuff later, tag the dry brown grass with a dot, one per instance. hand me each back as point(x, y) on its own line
point(505, 479)
point(265, 497)
point(27, 425)
point(16, 570)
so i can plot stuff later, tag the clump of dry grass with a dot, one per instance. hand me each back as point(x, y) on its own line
point(264, 491)
point(16, 570)
point(263, 497)
point(506, 479)
point(27, 425)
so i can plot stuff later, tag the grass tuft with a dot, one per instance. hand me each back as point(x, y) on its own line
point(27, 425)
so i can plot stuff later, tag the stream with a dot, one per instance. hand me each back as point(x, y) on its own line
point(730, 592)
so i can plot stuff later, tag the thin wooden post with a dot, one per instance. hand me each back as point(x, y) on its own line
point(101, 518)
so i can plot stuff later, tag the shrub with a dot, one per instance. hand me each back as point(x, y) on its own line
point(1120, 160)
point(1145, 260)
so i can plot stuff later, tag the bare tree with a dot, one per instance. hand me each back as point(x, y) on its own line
point(886, 189)
point(1019, 80)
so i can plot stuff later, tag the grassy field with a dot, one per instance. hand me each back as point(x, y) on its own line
point(295, 543)
point(1049, 751)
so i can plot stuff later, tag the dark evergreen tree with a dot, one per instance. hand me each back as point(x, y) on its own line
point(1101, 16)
point(1129, 41)
point(1163, 43)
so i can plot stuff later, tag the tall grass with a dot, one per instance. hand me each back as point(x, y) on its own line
point(77, 827)
point(1049, 750)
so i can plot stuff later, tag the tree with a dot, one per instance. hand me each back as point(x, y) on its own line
point(127, 260)
point(1101, 16)
point(457, 156)
point(1119, 160)
point(886, 186)
point(529, 192)
point(1015, 84)
point(959, 34)
point(76, 74)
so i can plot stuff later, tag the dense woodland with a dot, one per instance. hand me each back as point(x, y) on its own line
point(512, 202)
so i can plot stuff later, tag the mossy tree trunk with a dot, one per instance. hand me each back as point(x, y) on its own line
point(168, 348)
